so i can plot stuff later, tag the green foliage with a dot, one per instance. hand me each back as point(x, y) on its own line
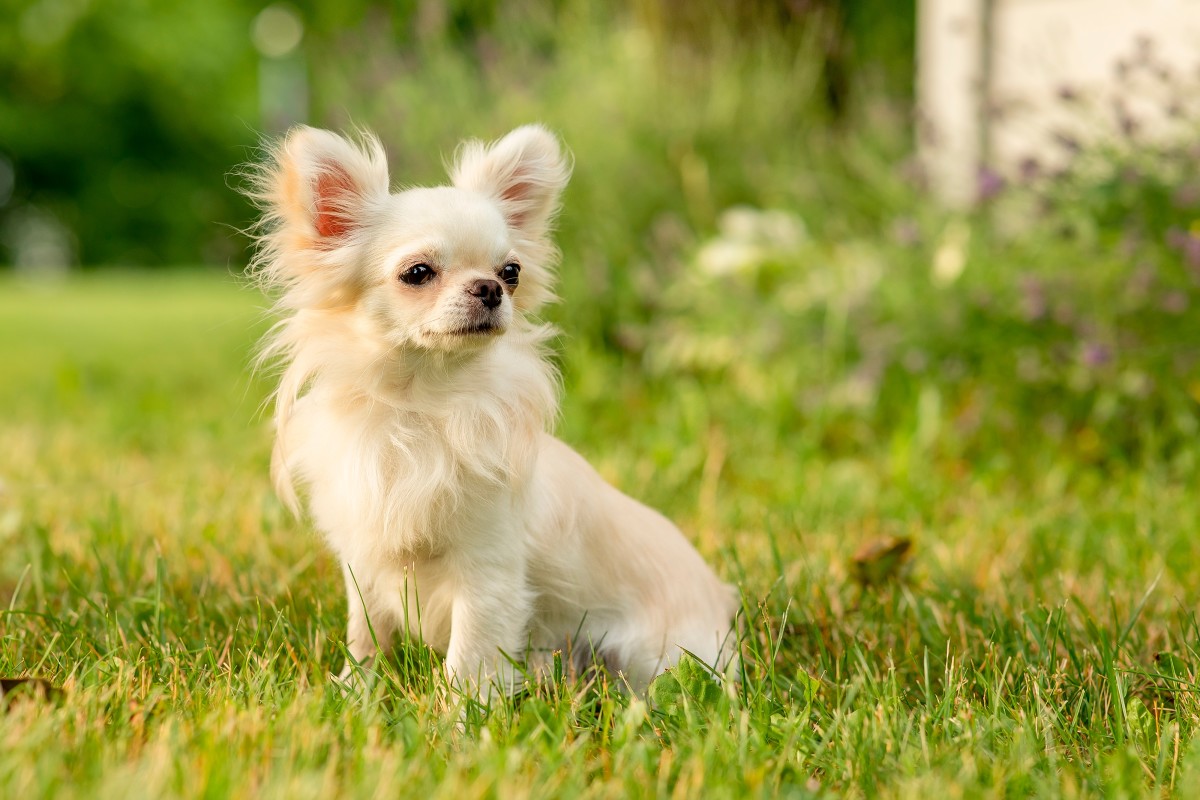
point(686, 690)
point(122, 117)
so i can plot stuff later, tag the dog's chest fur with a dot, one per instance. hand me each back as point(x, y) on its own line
point(408, 471)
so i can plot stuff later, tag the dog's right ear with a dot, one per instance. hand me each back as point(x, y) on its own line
point(321, 184)
point(314, 189)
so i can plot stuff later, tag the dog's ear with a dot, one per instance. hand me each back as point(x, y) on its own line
point(525, 173)
point(313, 188)
point(322, 182)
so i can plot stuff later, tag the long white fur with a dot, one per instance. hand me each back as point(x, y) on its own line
point(423, 451)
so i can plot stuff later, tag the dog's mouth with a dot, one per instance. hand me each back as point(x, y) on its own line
point(482, 328)
point(468, 325)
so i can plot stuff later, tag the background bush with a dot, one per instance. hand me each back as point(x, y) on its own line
point(744, 209)
point(120, 119)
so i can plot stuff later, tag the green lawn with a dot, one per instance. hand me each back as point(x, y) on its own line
point(1042, 638)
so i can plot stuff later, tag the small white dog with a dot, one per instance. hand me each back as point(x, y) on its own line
point(413, 409)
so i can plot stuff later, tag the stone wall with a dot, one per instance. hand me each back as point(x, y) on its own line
point(1013, 86)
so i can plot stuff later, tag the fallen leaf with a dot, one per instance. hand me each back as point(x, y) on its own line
point(880, 560)
point(12, 688)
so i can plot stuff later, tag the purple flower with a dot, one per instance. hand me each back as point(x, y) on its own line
point(1067, 93)
point(1064, 314)
point(1128, 124)
point(1030, 169)
point(1033, 299)
point(1095, 354)
point(1067, 141)
point(1174, 302)
point(1188, 244)
point(1186, 196)
point(988, 184)
point(1142, 280)
point(915, 173)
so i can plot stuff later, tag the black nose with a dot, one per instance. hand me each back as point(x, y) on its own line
point(489, 292)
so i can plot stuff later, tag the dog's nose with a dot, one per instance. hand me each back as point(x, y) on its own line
point(489, 292)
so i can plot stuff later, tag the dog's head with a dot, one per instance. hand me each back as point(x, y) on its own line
point(445, 268)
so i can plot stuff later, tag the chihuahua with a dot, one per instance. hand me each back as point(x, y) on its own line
point(412, 413)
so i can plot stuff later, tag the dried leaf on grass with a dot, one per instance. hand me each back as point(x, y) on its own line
point(880, 560)
point(13, 688)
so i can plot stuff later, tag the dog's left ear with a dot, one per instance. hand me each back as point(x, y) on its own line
point(525, 173)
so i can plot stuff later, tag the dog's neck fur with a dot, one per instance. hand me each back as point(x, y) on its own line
point(333, 352)
point(435, 424)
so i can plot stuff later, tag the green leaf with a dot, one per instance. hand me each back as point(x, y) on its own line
point(666, 694)
point(689, 685)
point(1141, 725)
point(808, 685)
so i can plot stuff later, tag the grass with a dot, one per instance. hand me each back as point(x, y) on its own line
point(1043, 641)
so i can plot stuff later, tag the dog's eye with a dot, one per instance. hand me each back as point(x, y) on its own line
point(416, 275)
point(511, 274)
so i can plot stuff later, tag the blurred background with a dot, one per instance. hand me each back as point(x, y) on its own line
point(120, 119)
point(749, 225)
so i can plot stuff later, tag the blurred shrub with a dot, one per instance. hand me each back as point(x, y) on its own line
point(728, 222)
point(669, 125)
point(1057, 319)
point(120, 119)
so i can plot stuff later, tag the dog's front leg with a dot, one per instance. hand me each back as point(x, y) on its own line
point(370, 625)
point(489, 623)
